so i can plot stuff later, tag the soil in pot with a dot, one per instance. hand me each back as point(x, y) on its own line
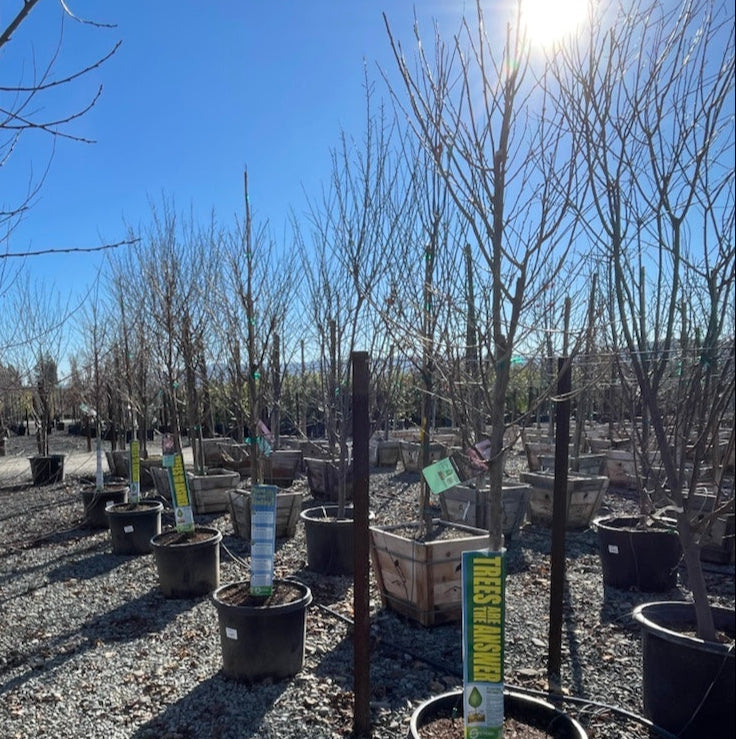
point(262, 637)
point(188, 563)
point(525, 717)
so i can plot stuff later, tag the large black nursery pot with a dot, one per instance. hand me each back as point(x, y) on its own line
point(262, 637)
point(688, 683)
point(329, 539)
point(634, 556)
point(133, 525)
point(48, 469)
point(188, 564)
point(525, 709)
point(96, 501)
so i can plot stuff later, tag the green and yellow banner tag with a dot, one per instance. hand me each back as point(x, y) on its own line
point(484, 577)
point(262, 538)
point(183, 513)
point(134, 465)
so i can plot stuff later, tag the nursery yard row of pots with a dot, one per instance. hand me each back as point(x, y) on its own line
point(409, 662)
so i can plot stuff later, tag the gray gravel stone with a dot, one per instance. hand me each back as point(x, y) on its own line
point(89, 646)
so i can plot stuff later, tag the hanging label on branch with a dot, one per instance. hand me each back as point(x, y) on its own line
point(262, 538)
point(167, 450)
point(442, 475)
point(183, 514)
point(483, 608)
point(458, 467)
point(134, 464)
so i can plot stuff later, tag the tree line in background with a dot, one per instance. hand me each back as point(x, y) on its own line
point(502, 211)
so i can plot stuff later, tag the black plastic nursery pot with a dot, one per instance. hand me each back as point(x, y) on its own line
point(96, 501)
point(133, 525)
point(688, 683)
point(528, 710)
point(329, 540)
point(635, 557)
point(47, 470)
point(262, 637)
point(188, 565)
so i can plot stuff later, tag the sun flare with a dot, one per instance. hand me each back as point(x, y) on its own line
point(549, 21)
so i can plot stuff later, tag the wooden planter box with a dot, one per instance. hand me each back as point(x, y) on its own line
point(222, 453)
point(209, 492)
point(620, 468)
point(468, 505)
point(717, 542)
point(147, 467)
point(598, 445)
point(587, 464)
point(423, 580)
point(584, 498)
point(590, 464)
point(288, 508)
point(161, 482)
point(411, 454)
point(118, 463)
point(535, 450)
point(323, 478)
point(384, 452)
point(281, 467)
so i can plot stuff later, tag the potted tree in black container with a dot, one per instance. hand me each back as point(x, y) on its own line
point(46, 468)
point(187, 557)
point(658, 207)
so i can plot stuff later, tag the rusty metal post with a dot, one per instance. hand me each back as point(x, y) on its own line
point(559, 524)
point(361, 589)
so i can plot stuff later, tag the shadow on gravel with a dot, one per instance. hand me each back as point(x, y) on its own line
point(147, 614)
point(87, 567)
point(618, 605)
point(325, 588)
point(539, 539)
point(19, 572)
point(217, 707)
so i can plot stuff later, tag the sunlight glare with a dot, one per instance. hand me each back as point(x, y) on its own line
point(549, 21)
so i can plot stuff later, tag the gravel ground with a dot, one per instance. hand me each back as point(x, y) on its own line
point(90, 647)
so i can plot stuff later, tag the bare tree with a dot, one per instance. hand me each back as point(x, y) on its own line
point(30, 107)
point(43, 336)
point(353, 229)
point(174, 269)
point(650, 96)
point(495, 137)
point(256, 299)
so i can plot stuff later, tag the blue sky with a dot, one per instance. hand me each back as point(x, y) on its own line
point(196, 92)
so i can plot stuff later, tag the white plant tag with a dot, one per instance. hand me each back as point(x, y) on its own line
point(231, 633)
point(613, 548)
point(128, 529)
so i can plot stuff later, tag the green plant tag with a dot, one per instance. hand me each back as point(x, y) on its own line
point(441, 475)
